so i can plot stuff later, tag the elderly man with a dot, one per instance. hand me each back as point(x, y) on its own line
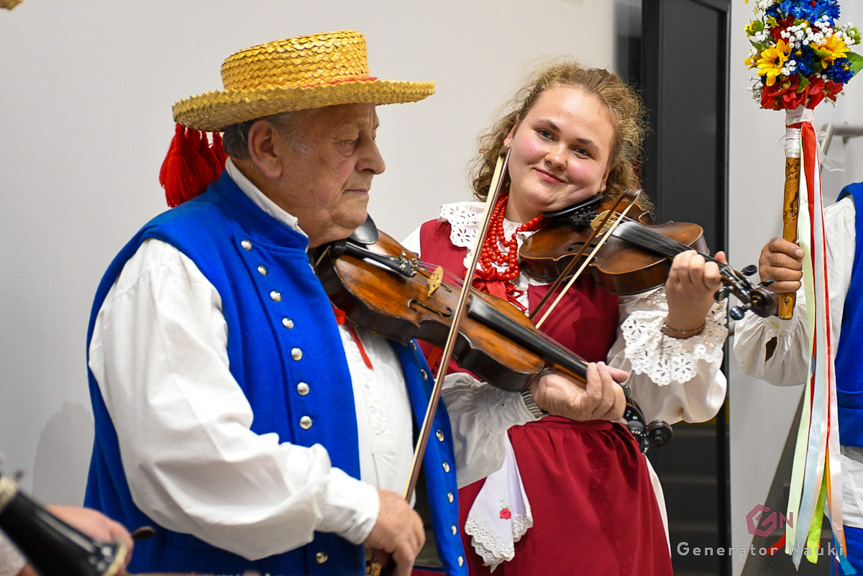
point(232, 409)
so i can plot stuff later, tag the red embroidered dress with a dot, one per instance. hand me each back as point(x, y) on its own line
point(593, 505)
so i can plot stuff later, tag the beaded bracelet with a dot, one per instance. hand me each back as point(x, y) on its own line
point(531, 405)
point(675, 333)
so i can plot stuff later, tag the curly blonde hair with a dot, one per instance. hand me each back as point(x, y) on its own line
point(622, 102)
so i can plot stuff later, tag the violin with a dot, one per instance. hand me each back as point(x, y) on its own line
point(385, 288)
point(637, 255)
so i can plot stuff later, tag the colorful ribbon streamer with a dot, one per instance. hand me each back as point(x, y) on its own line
point(816, 475)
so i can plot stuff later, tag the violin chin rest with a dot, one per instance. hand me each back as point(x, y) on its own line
point(366, 233)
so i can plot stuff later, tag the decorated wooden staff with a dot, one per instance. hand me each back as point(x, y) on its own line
point(802, 57)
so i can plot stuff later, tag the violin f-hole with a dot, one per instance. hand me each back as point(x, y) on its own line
point(431, 309)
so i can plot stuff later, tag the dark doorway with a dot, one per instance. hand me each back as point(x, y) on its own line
point(684, 78)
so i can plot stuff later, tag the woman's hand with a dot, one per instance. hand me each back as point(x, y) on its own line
point(600, 398)
point(690, 289)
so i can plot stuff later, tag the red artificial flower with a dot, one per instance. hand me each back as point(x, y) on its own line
point(783, 95)
point(833, 89)
point(816, 93)
point(781, 25)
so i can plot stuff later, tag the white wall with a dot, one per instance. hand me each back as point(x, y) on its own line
point(761, 415)
point(85, 119)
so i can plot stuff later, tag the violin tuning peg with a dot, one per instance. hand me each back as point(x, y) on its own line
point(768, 282)
point(722, 293)
point(738, 312)
point(660, 433)
point(749, 270)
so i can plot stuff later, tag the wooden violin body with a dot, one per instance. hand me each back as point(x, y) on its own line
point(399, 306)
point(617, 267)
point(632, 255)
point(384, 288)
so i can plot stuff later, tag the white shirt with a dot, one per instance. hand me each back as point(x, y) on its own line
point(789, 365)
point(159, 356)
point(11, 561)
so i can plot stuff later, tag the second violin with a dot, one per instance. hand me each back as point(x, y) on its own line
point(635, 256)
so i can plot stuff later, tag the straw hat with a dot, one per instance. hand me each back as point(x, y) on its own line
point(294, 74)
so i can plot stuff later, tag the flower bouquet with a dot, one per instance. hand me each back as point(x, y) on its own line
point(801, 57)
point(800, 54)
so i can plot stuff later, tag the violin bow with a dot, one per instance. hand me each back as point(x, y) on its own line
point(574, 262)
point(446, 356)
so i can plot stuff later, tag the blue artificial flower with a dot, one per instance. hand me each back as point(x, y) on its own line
point(805, 59)
point(810, 10)
point(840, 71)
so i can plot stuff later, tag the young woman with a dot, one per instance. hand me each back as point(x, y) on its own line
point(575, 495)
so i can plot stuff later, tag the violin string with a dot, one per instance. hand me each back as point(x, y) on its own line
point(457, 282)
point(642, 236)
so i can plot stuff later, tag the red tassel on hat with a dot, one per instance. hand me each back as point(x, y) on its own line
point(218, 152)
point(205, 152)
point(185, 173)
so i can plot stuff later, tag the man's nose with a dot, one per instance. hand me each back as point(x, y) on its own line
point(372, 160)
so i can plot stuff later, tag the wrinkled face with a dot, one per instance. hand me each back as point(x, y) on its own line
point(326, 183)
point(560, 152)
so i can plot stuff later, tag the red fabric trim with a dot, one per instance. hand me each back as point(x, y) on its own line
point(342, 320)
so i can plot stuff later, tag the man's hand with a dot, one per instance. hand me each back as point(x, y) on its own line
point(781, 261)
point(398, 532)
point(92, 523)
point(601, 398)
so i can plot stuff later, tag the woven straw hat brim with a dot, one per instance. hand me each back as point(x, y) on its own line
point(214, 111)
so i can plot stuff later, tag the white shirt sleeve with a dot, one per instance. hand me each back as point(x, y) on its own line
point(788, 364)
point(11, 561)
point(480, 415)
point(672, 379)
point(159, 355)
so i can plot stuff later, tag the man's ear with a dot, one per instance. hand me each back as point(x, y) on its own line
point(264, 148)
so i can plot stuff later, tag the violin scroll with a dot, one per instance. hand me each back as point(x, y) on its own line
point(656, 434)
point(758, 298)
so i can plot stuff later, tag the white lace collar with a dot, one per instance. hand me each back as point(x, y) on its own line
point(465, 218)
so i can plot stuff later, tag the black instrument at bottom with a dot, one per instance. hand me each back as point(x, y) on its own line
point(52, 547)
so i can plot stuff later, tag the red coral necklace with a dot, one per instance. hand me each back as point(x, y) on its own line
point(497, 250)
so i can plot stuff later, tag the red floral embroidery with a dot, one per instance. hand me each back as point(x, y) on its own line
point(505, 514)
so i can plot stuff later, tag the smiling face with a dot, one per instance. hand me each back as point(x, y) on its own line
point(325, 181)
point(560, 152)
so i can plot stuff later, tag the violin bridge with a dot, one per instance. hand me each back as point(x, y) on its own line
point(435, 280)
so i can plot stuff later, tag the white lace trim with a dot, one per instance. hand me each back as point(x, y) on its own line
point(464, 219)
point(493, 550)
point(665, 359)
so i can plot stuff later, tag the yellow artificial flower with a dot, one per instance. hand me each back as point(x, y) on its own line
point(834, 47)
point(771, 60)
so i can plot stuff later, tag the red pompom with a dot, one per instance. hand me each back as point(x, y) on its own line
point(185, 173)
point(218, 152)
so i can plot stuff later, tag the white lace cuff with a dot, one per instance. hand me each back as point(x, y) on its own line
point(665, 359)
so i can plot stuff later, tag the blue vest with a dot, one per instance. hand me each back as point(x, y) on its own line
point(281, 332)
point(849, 360)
